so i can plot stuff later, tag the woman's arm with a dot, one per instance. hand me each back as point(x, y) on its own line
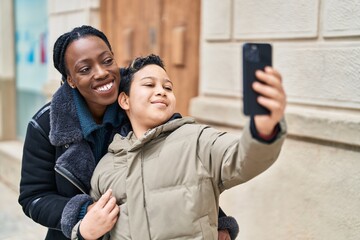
point(228, 227)
point(100, 217)
point(38, 192)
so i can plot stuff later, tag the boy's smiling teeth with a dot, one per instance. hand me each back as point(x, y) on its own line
point(105, 87)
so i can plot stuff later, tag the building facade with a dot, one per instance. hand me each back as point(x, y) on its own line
point(312, 191)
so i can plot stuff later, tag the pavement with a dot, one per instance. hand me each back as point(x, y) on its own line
point(14, 224)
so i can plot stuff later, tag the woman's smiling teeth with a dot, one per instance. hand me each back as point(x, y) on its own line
point(105, 87)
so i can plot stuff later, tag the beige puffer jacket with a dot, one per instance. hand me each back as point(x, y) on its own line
point(168, 182)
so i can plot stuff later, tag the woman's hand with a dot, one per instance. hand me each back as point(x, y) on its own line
point(224, 235)
point(100, 218)
point(272, 97)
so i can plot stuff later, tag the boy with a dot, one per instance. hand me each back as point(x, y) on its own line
point(168, 172)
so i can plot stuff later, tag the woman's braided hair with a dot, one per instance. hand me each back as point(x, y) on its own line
point(64, 40)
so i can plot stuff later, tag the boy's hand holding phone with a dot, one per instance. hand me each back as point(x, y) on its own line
point(263, 93)
point(272, 96)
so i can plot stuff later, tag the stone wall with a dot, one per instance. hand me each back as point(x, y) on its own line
point(64, 15)
point(312, 191)
point(7, 73)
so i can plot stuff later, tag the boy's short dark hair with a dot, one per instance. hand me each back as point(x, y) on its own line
point(137, 64)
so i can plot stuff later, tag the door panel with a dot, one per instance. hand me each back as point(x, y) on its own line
point(169, 28)
point(180, 48)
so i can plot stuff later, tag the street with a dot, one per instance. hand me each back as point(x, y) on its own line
point(14, 224)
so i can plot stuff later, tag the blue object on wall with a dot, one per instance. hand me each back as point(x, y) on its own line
point(31, 31)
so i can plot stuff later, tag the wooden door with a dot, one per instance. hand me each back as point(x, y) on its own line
point(169, 28)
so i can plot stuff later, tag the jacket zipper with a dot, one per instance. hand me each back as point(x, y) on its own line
point(63, 172)
point(144, 197)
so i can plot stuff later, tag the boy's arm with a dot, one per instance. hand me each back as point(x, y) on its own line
point(264, 138)
point(260, 143)
point(234, 159)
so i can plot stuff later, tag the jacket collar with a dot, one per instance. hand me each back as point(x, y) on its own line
point(64, 122)
point(131, 143)
point(174, 122)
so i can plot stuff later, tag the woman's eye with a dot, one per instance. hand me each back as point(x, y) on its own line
point(84, 70)
point(108, 61)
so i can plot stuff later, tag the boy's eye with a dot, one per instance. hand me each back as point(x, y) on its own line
point(169, 88)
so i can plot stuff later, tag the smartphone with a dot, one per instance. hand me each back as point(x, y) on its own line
point(254, 56)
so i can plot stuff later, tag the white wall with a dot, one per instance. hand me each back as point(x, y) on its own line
point(64, 15)
point(7, 40)
point(312, 191)
point(7, 72)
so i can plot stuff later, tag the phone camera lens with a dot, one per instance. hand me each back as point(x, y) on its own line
point(252, 54)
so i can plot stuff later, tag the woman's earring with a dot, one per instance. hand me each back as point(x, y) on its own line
point(70, 82)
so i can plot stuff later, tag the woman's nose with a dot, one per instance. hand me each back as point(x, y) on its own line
point(100, 72)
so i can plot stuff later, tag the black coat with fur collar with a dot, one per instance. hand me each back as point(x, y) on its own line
point(57, 166)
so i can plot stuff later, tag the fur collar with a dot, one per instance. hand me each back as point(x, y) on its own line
point(64, 122)
point(78, 161)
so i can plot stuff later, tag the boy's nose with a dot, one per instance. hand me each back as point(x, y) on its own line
point(160, 90)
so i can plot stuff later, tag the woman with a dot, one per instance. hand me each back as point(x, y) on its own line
point(67, 137)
